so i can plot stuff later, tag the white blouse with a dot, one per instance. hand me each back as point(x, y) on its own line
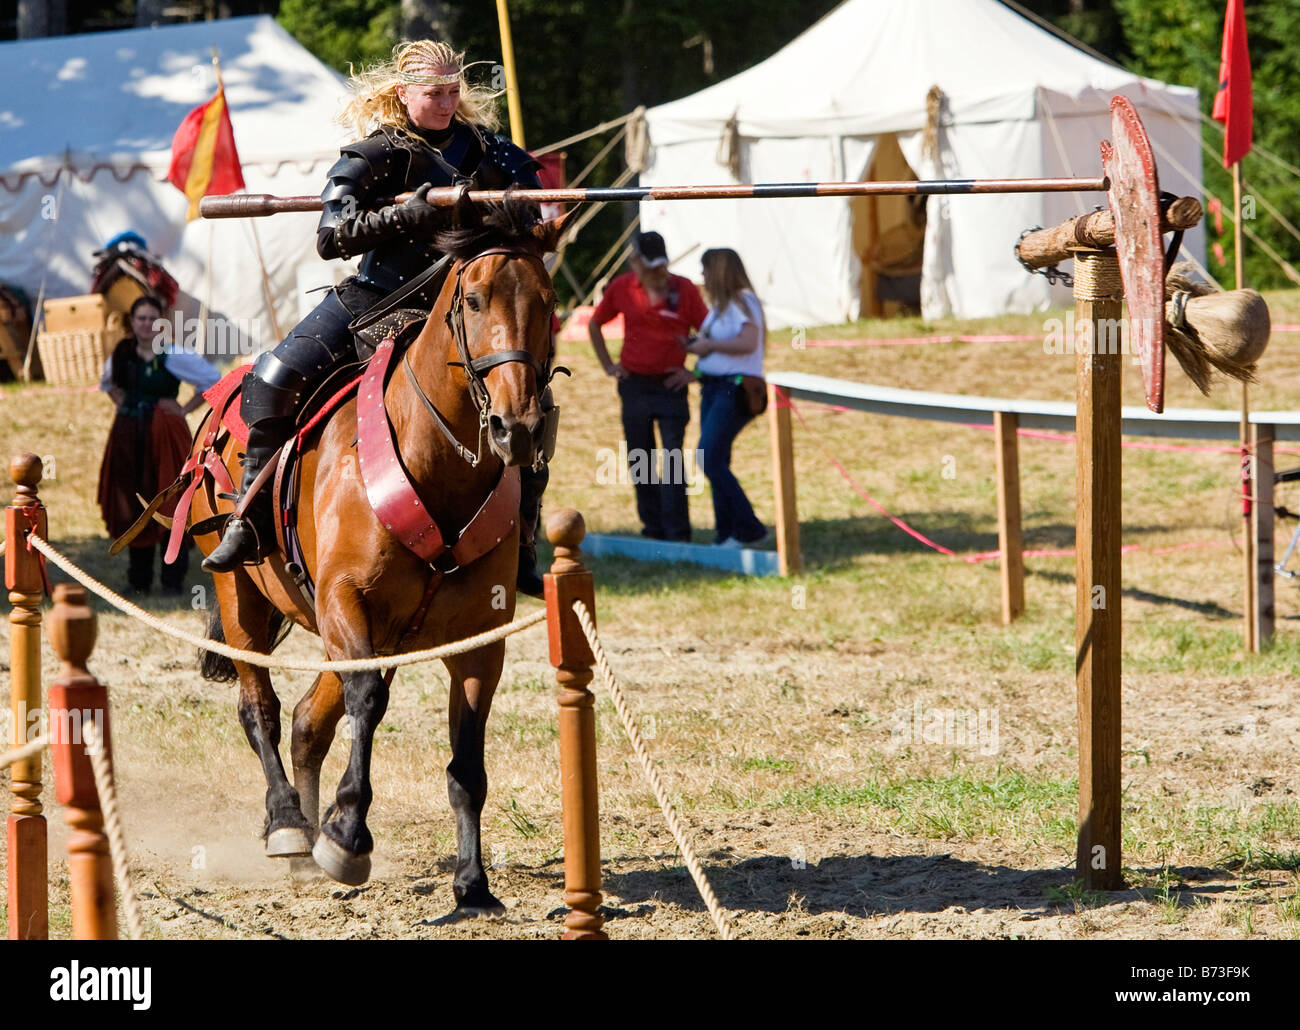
point(186, 365)
point(725, 324)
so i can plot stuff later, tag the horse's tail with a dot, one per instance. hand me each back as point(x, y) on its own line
point(212, 666)
point(220, 669)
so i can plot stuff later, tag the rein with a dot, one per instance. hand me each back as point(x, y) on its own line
point(476, 368)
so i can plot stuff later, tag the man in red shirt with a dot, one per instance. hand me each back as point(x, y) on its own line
point(659, 310)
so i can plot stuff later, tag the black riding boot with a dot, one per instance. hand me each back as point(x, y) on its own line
point(268, 412)
point(531, 486)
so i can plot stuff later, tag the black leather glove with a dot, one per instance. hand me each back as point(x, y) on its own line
point(416, 218)
point(417, 214)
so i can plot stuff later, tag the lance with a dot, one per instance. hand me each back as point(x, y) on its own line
point(256, 205)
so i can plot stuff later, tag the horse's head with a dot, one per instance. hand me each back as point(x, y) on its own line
point(500, 314)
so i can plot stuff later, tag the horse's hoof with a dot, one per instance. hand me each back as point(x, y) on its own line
point(288, 842)
point(481, 912)
point(339, 864)
point(478, 901)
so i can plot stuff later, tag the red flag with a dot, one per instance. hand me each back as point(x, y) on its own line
point(204, 159)
point(1232, 104)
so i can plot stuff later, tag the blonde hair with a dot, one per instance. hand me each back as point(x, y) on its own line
point(724, 277)
point(374, 99)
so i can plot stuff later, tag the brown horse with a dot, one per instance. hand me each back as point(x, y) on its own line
point(369, 585)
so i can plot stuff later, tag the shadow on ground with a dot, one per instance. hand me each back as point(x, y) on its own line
point(874, 886)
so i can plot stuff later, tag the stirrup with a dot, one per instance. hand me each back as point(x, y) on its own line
point(238, 554)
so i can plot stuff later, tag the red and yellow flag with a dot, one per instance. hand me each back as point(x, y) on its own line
point(204, 159)
point(1233, 103)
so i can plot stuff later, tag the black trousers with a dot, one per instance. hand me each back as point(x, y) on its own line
point(660, 484)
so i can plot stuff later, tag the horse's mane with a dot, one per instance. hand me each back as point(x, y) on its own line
point(508, 224)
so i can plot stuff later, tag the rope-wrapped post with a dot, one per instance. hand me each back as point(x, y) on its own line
point(77, 698)
point(1098, 298)
point(569, 581)
point(27, 834)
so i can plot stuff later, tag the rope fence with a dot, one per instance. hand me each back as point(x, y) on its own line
point(19, 754)
point(266, 661)
point(89, 796)
point(113, 826)
point(716, 912)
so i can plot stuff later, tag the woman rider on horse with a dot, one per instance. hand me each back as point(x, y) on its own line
point(434, 130)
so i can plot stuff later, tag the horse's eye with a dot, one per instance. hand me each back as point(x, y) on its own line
point(471, 302)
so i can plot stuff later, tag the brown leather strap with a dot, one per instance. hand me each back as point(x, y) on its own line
point(413, 627)
point(263, 475)
point(287, 453)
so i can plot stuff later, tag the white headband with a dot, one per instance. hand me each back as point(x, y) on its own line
point(438, 80)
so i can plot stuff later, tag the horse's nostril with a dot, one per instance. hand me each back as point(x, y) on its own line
point(497, 426)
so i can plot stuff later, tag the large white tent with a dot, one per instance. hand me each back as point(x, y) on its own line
point(847, 100)
point(86, 124)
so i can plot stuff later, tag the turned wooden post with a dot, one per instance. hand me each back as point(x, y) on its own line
point(28, 883)
point(569, 581)
point(1098, 295)
point(76, 698)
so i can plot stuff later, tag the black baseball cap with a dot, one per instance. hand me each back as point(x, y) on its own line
point(651, 250)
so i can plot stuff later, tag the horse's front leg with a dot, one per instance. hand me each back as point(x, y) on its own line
point(474, 678)
point(246, 616)
point(344, 844)
point(314, 721)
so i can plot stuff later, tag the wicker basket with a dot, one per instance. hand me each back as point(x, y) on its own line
point(73, 358)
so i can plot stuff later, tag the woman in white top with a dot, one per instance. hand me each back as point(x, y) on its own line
point(730, 346)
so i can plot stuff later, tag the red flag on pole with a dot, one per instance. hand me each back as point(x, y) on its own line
point(1232, 104)
point(204, 159)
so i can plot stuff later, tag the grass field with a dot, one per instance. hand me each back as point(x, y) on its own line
point(862, 752)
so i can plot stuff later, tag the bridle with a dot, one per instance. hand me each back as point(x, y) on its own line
point(477, 368)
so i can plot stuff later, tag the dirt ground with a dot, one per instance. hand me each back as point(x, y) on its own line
point(191, 797)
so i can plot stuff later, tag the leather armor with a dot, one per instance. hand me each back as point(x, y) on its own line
point(397, 238)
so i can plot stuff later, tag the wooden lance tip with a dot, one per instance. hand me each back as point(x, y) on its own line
point(1209, 329)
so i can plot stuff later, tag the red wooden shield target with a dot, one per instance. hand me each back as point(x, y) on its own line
point(1135, 203)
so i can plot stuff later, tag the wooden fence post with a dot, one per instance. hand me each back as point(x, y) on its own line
point(1010, 538)
point(76, 698)
point(27, 833)
point(1262, 527)
point(789, 556)
point(1098, 294)
point(569, 581)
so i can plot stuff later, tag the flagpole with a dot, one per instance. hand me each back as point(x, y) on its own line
point(257, 243)
point(1250, 635)
point(512, 86)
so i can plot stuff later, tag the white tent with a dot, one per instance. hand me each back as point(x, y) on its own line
point(86, 124)
point(847, 100)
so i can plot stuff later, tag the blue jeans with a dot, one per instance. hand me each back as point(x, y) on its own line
point(723, 414)
point(660, 496)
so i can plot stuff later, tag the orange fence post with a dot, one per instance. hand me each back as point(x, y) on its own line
point(27, 835)
point(789, 554)
point(569, 581)
point(77, 698)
